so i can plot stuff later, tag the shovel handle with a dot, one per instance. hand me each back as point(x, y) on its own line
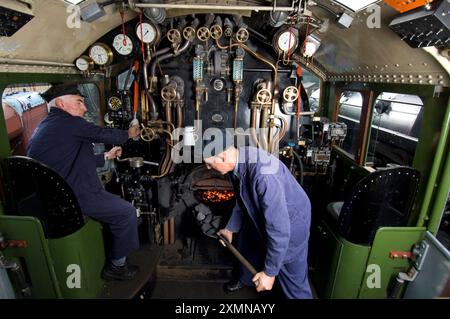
point(238, 255)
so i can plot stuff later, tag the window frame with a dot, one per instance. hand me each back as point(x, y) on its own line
point(364, 123)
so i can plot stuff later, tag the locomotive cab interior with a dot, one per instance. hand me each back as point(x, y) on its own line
point(352, 96)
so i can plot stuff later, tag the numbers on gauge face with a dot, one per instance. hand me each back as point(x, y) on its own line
point(100, 54)
point(147, 32)
point(123, 44)
point(286, 41)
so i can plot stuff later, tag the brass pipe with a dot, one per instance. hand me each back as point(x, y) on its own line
point(263, 125)
point(198, 96)
point(237, 93)
point(253, 116)
point(166, 232)
point(280, 134)
point(165, 166)
point(256, 55)
point(171, 230)
point(236, 108)
point(179, 116)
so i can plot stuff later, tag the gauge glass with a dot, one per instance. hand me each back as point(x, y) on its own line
point(123, 44)
point(146, 32)
point(100, 54)
point(83, 64)
point(287, 41)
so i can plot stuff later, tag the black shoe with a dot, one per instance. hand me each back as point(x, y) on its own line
point(233, 286)
point(125, 272)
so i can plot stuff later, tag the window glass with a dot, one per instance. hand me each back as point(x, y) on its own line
point(24, 108)
point(311, 83)
point(350, 106)
point(92, 101)
point(394, 133)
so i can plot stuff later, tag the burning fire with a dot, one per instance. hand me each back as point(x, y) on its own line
point(217, 196)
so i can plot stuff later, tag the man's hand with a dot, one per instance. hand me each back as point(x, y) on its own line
point(263, 282)
point(116, 151)
point(134, 131)
point(227, 234)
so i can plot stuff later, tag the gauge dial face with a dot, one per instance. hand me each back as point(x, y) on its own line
point(123, 44)
point(147, 32)
point(84, 63)
point(287, 41)
point(101, 54)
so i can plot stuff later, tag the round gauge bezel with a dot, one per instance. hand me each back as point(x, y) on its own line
point(111, 105)
point(278, 36)
point(129, 40)
point(108, 50)
point(152, 25)
point(89, 62)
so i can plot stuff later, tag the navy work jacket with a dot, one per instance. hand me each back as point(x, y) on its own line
point(276, 204)
point(64, 143)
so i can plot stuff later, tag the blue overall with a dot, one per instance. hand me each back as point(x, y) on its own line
point(64, 143)
point(272, 216)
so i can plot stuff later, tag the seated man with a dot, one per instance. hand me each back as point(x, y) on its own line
point(63, 141)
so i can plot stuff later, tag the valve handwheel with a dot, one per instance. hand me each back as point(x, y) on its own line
point(216, 32)
point(174, 36)
point(263, 96)
point(290, 94)
point(147, 134)
point(242, 35)
point(168, 93)
point(203, 34)
point(189, 33)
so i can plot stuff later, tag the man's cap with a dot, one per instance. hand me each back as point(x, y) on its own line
point(214, 141)
point(61, 90)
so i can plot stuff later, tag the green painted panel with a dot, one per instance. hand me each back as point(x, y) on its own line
point(386, 240)
point(350, 270)
point(35, 259)
point(430, 151)
point(83, 249)
point(325, 254)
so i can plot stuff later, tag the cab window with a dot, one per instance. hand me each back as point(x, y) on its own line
point(24, 108)
point(311, 84)
point(350, 106)
point(394, 132)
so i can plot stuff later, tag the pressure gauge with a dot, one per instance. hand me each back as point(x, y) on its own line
point(101, 54)
point(84, 63)
point(285, 41)
point(123, 44)
point(148, 32)
point(114, 103)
